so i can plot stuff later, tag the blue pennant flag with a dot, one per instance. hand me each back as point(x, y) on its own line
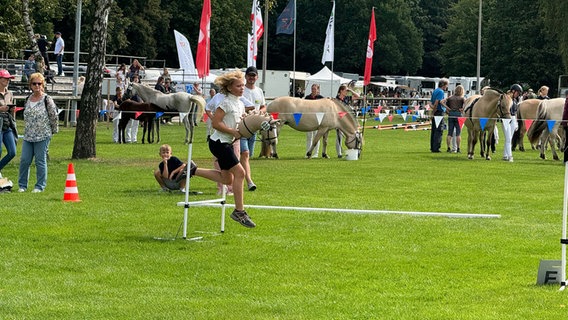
point(398, 111)
point(482, 123)
point(551, 124)
point(414, 118)
point(159, 114)
point(285, 21)
point(405, 108)
point(297, 117)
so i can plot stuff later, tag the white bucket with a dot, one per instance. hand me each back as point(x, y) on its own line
point(352, 154)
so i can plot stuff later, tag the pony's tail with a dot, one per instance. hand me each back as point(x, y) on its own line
point(539, 124)
point(200, 102)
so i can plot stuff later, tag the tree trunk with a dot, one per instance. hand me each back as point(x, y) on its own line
point(86, 131)
point(28, 26)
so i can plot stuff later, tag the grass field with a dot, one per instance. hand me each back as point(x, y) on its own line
point(113, 255)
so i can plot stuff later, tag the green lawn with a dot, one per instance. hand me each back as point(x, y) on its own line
point(113, 255)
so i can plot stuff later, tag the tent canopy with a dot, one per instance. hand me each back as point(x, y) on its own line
point(328, 81)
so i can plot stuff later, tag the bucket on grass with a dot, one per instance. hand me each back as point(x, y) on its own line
point(352, 154)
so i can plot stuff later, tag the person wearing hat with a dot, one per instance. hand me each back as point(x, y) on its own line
point(8, 133)
point(255, 95)
point(59, 46)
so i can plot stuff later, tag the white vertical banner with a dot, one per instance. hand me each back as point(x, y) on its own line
point(255, 34)
point(329, 44)
point(185, 56)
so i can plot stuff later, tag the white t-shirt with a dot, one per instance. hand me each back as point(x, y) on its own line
point(256, 96)
point(234, 110)
point(59, 45)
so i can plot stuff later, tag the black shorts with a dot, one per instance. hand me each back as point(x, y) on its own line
point(224, 153)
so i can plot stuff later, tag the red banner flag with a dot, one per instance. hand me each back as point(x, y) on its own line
point(203, 43)
point(370, 49)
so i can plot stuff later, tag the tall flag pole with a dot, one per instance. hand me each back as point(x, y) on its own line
point(329, 44)
point(286, 24)
point(370, 49)
point(256, 33)
point(204, 42)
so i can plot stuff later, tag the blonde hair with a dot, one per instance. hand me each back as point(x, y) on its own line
point(225, 80)
point(459, 90)
point(165, 147)
point(542, 89)
point(36, 76)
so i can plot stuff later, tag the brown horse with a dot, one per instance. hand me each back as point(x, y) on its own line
point(321, 115)
point(492, 104)
point(129, 108)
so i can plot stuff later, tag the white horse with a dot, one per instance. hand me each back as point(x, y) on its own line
point(182, 102)
point(547, 110)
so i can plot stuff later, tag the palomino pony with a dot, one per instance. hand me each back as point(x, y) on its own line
point(492, 104)
point(321, 115)
point(182, 102)
point(527, 110)
point(548, 110)
point(129, 108)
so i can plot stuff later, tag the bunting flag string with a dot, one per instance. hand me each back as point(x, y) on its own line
point(319, 116)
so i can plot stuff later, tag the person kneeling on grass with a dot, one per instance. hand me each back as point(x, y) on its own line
point(171, 171)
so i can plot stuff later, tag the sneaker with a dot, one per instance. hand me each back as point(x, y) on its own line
point(36, 190)
point(511, 159)
point(251, 186)
point(192, 168)
point(505, 158)
point(21, 190)
point(449, 150)
point(182, 190)
point(242, 218)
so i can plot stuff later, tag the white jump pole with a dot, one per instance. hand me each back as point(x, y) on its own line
point(362, 211)
point(186, 204)
point(563, 240)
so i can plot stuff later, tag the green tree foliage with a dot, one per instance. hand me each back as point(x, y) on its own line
point(517, 48)
point(555, 15)
point(458, 52)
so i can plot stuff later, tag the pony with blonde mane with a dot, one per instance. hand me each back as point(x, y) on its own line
point(491, 105)
point(548, 110)
point(321, 115)
point(181, 102)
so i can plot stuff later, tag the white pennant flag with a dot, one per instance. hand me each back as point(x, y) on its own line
point(387, 111)
point(185, 56)
point(382, 116)
point(506, 122)
point(329, 44)
point(182, 115)
point(320, 115)
point(437, 120)
point(404, 116)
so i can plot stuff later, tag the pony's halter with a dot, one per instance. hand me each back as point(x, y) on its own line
point(357, 139)
point(270, 134)
point(500, 107)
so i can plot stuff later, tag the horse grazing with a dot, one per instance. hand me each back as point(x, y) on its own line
point(129, 109)
point(492, 104)
point(526, 110)
point(182, 102)
point(547, 110)
point(321, 115)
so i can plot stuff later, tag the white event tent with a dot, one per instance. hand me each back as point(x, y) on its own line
point(329, 82)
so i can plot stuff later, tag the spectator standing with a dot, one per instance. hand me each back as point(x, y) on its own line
point(29, 66)
point(40, 123)
point(455, 108)
point(8, 133)
point(438, 109)
point(121, 77)
point(58, 51)
point(116, 101)
point(543, 93)
point(131, 132)
point(516, 93)
point(314, 95)
point(134, 69)
point(255, 95)
point(43, 45)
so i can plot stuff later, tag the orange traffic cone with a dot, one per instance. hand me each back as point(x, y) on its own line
point(71, 191)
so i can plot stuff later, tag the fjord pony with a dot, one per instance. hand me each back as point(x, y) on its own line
point(321, 115)
point(182, 102)
point(548, 111)
point(491, 105)
point(527, 110)
point(129, 109)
